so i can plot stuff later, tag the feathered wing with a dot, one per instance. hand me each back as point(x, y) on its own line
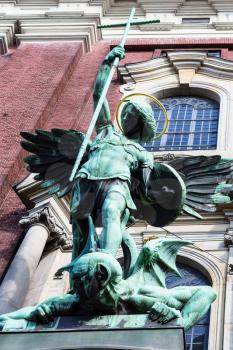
point(54, 154)
point(156, 259)
point(206, 180)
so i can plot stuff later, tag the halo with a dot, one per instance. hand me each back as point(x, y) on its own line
point(154, 99)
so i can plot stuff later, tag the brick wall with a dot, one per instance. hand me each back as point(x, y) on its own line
point(31, 81)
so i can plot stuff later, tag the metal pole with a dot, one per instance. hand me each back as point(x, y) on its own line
point(100, 102)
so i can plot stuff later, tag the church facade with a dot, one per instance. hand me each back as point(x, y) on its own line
point(50, 53)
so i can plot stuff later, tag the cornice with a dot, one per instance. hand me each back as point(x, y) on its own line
point(7, 35)
point(78, 20)
point(179, 7)
point(223, 25)
point(75, 26)
point(36, 2)
point(162, 26)
point(174, 63)
point(72, 28)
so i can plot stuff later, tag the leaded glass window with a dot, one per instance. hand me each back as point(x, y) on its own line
point(196, 337)
point(193, 124)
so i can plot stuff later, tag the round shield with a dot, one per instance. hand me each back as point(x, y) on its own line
point(164, 197)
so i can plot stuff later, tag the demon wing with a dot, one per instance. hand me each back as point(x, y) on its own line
point(156, 259)
point(207, 181)
point(54, 154)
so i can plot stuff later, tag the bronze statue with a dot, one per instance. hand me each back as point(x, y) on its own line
point(116, 181)
point(99, 285)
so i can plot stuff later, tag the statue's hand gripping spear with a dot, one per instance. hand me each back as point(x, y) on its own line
point(100, 102)
point(103, 94)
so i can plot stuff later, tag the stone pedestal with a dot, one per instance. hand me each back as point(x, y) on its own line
point(104, 332)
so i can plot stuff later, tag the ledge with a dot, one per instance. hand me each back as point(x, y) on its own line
point(173, 63)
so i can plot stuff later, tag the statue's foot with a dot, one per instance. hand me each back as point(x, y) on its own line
point(163, 313)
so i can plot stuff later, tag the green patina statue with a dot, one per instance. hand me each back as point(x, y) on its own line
point(117, 176)
point(116, 181)
point(99, 287)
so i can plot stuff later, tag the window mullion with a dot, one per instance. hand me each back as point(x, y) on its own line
point(192, 128)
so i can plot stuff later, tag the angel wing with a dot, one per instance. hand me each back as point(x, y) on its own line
point(206, 180)
point(54, 154)
point(156, 258)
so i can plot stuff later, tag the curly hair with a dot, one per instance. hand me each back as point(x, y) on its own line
point(138, 121)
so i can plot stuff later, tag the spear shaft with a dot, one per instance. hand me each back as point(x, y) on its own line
point(133, 23)
point(100, 102)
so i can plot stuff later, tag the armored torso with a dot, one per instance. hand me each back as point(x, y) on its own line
point(112, 155)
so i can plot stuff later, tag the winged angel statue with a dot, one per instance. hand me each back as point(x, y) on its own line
point(117, 181)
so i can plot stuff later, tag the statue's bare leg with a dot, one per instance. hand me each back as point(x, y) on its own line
point(113, 208)
point(158, 301)
point(197, 303)
point(190, 303)
point(193, 302)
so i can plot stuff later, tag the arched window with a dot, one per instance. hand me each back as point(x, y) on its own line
point(197, 337)
point(193, 124)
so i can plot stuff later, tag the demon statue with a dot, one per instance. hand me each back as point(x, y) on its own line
point(116, 182)
point(99, 286)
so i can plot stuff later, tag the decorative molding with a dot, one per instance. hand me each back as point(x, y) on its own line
point(58, 238)
point(174, 62)
point(37, 2)
point(50, 25)
point(215, 271)
point(110, 7)
point(221, 5)
point(30, 192)
point(162, 26)
point(223, 25)
point(7, 34)
point(40, 12)
point(61, 26)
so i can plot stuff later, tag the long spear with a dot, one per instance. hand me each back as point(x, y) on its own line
point(101, 101)
point(133, 23)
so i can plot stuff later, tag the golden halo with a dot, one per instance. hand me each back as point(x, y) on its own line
point(150, 97)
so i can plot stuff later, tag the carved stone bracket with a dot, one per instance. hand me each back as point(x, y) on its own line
point(228, 236)
point(58, 237)
point(230, 269)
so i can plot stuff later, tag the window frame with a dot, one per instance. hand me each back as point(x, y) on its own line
point(202, 118)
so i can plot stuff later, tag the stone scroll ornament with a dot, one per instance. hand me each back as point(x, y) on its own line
point(117, 182)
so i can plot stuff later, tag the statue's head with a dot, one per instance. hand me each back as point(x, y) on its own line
point(138, 122)
point(92, 272)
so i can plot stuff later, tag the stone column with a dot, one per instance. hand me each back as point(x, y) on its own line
point(43, 233)
point(228, 315)
point(15, 284)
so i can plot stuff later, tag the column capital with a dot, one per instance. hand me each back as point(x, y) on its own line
point(57, 238)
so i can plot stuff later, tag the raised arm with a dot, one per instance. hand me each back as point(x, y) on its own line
point(104, 116)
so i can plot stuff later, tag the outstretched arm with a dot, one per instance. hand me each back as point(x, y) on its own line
point(47, 310)
point(102, 75)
